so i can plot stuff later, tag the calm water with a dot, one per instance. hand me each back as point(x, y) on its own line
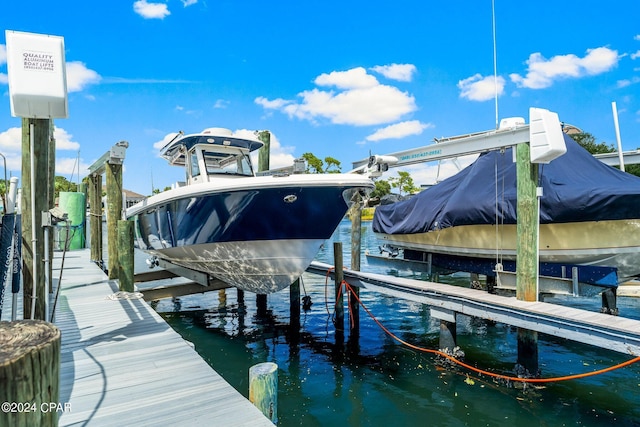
point(324, 381)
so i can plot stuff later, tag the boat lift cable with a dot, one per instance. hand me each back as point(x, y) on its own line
point(349, 289)
point(495, 170)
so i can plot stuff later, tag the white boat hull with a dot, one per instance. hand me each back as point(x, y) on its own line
point(262, 267)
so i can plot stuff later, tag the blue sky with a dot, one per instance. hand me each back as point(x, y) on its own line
point(335, 78)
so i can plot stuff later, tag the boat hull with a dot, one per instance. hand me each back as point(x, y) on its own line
point(258, 235)
point(595, 243)
point(259, 266)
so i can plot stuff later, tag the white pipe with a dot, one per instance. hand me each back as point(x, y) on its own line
point(46, 271)
point(539, 194)
point(495, 59)
point(34, 237)
point(615, 124)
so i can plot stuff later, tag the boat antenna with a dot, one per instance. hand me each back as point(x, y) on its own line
point(180, 133)
point(495, 61)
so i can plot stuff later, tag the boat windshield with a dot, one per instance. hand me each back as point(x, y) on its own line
point(227, 163)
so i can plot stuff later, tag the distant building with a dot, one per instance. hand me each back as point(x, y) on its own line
point(132, 198)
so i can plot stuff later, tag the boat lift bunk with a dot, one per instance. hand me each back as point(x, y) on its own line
point(554, 279)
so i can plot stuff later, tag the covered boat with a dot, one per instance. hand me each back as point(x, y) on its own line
point(589, 213)
point(256, 233)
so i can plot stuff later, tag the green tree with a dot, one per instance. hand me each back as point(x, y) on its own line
point(62, 184)
point(333, 165)
point(382, 188)
point(588, 142)
point(404, 183)
point(315, 165)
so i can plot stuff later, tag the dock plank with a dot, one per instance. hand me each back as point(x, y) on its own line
point(598, 329)
point(121, 363)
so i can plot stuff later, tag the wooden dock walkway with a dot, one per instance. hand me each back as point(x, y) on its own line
point(603, 330)
point(122, 364)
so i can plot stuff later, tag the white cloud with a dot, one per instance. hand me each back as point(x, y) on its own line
point(478, 88)
point(360, 100)
point(4, 79)
point(543, 72)
point(11, 140)
point(188, 3)
point(356, 78)
point(63, 140)
point(628, 82)
point(11, 147)
point(221, 103)
point(399, 130)
point(279, 156)
point(637, 37)
point(400, 72)
point(79, 76)
point(69, 166)
point(164, 141)
point(635, 55)
point(275, 104)
point(151, 10)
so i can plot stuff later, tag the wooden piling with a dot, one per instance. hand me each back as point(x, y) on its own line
point(114, 213)
point(222, 299)
point(356, 244)
point(31, 214)
point(294, 304)
point(263, 389)
point(261, 305)
point(527, 251)
point(95, 217)
point(29, 373)
point(527, 227)
point(339, 277)
point(609, 301)
point(125, 255)
point(265, 152)
point(528, 351)
point(82, 188)
point(448, 333)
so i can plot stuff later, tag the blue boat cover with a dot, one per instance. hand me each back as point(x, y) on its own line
point(576, 188)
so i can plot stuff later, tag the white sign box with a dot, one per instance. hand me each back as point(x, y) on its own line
point(545, 136)
point(37, 75)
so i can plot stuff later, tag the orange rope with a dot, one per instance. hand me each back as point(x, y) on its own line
point(480, 371)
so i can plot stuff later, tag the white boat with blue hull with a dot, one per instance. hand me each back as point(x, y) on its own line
point(256, 233)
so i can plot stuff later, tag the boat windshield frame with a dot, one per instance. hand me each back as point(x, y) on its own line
point(206, 162)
